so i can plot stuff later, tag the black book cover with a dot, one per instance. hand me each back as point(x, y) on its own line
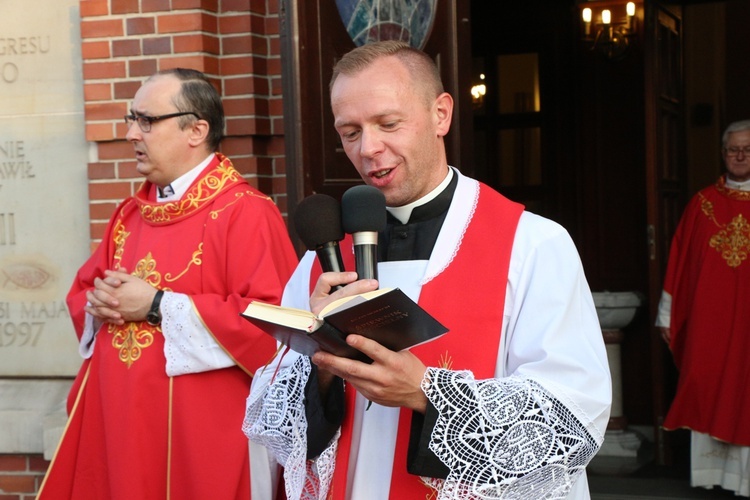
point(390, 318)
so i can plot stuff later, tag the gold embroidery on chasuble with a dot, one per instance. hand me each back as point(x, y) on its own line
point(120, 235)
point(733, 239)
point(196, 198)
point(446, 361)
point(195, 259)
point(133, 337)
point(215, 213)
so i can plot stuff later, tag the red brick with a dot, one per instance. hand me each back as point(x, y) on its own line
point(240, 66)
point(246, 85)
point(274, 46)
point(128, 170)
point(126, 48)
point(97, 92)
point(279, 165)
point(159, 45)
point(99, 132)
point(17, 483)
point(115, 150)
point(95, 50)
point(248, 126)
point(209, 5)
point(240, 106)
point(258, 6)
point(242, 44)
point(105, 111)
point(101, 28)
point(121, 130)
point(279, 185)
point(271, 25)
point(38, 463)
point(259, 145)
point(155, 5)
point(236, 146)
point(126, 90)
point(102, 70)
point(277, 126)
point(101, 211)
point(89, 8)
point(276, 87)
point(243, 165)
point(276, 107)
point(273, 8)
point(183, 23)
point(197, 43)
point(209, 65)
point(235, 5)
point(124, 6)
point(145, 67)
point(273, 66)
point(235, 24)
point(101, 170)
point(12, 463)
point(109, 191)
point(140, 25)
point(276, 146)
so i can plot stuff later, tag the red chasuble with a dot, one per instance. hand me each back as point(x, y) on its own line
point(133, 431)
point(708, 277)
point(468, 297)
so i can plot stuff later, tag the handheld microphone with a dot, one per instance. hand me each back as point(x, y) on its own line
point(317, 220)
point(363, 215)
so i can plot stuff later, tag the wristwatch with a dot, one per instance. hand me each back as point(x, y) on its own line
point(153, 316)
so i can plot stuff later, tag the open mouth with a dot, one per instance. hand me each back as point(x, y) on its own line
point(381, 174)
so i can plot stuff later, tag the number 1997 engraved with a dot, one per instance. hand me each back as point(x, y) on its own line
point(20, 334)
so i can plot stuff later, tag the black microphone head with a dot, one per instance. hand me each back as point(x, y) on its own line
point(363, 209)
point(317, 220)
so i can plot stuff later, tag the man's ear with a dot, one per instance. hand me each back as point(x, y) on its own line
point(198, 132)
point(443, 109)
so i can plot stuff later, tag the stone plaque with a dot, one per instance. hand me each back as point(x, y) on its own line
point(44, 221)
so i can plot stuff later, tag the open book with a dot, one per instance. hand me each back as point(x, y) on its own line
point(387, 316)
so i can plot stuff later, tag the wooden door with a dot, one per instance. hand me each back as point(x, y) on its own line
point(313, 36)
point(665, 183)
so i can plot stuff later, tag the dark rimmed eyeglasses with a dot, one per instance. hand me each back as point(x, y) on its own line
point(732, 151)
point(145, 121)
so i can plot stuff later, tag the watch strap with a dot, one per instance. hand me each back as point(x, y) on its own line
point(153, 317)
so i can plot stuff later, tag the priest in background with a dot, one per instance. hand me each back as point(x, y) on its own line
point(705, 319)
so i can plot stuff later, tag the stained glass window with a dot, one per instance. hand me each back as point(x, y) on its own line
point(372, 20)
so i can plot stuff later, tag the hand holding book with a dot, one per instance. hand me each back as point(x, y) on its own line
point(387, 316)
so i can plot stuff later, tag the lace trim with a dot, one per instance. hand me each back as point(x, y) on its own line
point(275, 418)
point(505, 438)
point(188, 347)
point(448, 262)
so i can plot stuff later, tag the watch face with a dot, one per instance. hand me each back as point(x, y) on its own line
point(153, 318)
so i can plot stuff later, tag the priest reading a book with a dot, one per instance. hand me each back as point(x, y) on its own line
point(511, 402)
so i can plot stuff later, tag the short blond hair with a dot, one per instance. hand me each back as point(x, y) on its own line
point(423, 70)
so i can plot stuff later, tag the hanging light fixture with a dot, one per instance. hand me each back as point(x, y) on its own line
point(610, 37)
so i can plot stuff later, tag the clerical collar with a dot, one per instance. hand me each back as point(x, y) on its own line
point(179, 186)
point(740, 186)
point(404, 213)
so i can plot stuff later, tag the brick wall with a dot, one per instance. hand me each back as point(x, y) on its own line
point(20, 476)
point(236, 43)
